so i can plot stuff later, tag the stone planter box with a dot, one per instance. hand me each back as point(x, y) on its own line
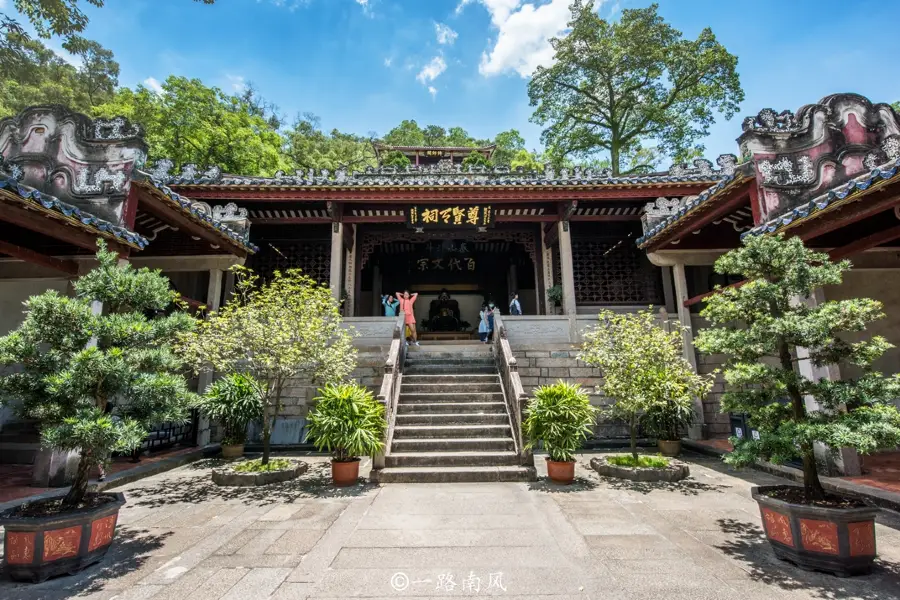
point(835, 540)
point(40, 547)
point(676, 471)
point(227, 476)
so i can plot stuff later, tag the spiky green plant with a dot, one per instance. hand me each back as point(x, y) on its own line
point(561, 417)
point(235, 401)
point(347, 421)
point(96, 380)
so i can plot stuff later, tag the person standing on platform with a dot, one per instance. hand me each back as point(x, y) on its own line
point(483, 326)
point(407, 304)
point(514, 307)
point(490, 316)
point(391, 305)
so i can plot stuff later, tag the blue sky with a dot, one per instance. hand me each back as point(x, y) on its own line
point(364, 65)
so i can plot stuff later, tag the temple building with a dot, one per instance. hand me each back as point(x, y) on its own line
point(570, 242)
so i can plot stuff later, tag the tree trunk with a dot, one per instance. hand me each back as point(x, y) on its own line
point(267, 434)
point(614, 158)
point(633, 424)
point(79, 484)
point(812, 487)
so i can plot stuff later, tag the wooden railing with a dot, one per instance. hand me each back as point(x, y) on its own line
point(389, 394)
point(513, 393)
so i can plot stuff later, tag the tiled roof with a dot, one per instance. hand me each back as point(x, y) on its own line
point(194, 209)
point(71, 214)
point(855, 187)
point(446, 176)
point(692, 204)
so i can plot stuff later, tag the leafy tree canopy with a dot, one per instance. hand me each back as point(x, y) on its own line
point(308, 147)
point(615, 86)
point(762, 327)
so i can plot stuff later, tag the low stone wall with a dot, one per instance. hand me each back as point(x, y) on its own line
point(545, 364)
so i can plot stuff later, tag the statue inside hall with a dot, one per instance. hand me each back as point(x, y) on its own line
point(443, 315)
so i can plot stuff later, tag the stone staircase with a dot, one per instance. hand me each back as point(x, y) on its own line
point(452, 423)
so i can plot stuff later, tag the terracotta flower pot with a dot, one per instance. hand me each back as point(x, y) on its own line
point(669, 447)
point(561, 471)
point(835, 540)
point(344, 473)
point(40, 547)
point(232, 450)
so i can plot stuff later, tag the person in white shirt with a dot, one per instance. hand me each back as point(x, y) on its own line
point(514, 307)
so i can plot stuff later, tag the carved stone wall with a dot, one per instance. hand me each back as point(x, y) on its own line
point(799, 156)
point(84, 162)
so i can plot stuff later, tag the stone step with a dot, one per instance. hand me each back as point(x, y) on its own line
point(452, 474)
point(434, 408)
point(452, 379)
point(470, 418)
point(451, 388)
point(411, 445)
point(451, 431)
point(449, 369)
point(455, 356)
point(433, 397)
point(18, 453)
point(451, 459)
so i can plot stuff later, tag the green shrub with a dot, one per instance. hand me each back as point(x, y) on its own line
point(555, 294)
point(235, 401)
point(645, 462)
point(257, 466)
point(560, 416)
point(347, 421)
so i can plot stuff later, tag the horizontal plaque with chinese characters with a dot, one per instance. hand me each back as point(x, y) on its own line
point(450, 217)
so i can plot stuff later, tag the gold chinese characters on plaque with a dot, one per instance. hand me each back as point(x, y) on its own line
point(449, 217)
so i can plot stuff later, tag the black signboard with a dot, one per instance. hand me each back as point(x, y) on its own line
point(450, 217)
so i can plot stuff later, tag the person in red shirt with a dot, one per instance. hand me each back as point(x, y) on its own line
point(406, 306)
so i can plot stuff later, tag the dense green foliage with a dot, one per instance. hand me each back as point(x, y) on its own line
point(643, 370)
point(285, 329)
point(614, 86)
point(235, 401)
point(96, 382)
point(258, 466)
point(561, 417)
point(766, 326)
point(347, 421)
point(642, 462)
point(308, 147)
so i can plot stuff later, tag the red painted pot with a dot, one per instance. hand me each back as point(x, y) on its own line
point(835, 540)
point(40, 547)
point(561, 471)
point(344, 473)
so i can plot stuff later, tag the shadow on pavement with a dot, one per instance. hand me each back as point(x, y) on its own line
point(686, 487)
point(544, 484)
point(747, 544)
point(198, 487)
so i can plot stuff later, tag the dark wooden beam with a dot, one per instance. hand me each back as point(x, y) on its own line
point(551, 234)
point(702, 297)
point(69, 267)
point(567, 210)
point(347, 233)
point(375, 219)
point(841, 217)
point(59, 229)
point(429, 195)
point(151, 202)
point(290, 221)
point(865, 243)
point(609, 218)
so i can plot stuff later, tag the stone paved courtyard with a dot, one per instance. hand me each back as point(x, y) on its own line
point(181, 537)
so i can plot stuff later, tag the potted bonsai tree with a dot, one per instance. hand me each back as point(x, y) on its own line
point(774, 338)
point(288, 328)
point(94, 371)
point(561, 417)
point(234, 401)
point(348, 422)
point(646, 375)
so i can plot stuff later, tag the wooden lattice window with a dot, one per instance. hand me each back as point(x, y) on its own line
point(313, 258)
point(614, 271)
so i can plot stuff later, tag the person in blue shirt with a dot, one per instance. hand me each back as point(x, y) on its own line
point(391, 305)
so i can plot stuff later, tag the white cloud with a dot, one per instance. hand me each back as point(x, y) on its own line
point(462, 6)
point(445, 35)
point(154, 84)
point(524, 32)
point(2, 4)
point(237, 82)
point(432, 70)
point(388, 61)
point(433, 91)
